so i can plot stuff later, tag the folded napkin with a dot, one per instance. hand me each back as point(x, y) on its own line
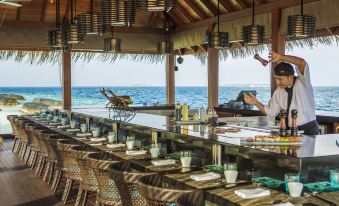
point(163, 162)
point(98, 139)
point(83, 134)
point(95, 144)
point(81, 138)
point(45, 121)
point(207, 176)
point(73, 130)
point(284, 204)
point(136, 152)
point(252, 193)
point(54, 123)
point(63, 126)
point(115, 145)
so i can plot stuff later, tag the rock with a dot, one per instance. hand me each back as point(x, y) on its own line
point(49, 102)
point(33, 107)
point(8, 101)
point(13, 96)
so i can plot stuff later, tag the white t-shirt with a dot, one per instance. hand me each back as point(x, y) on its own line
point(302, 99)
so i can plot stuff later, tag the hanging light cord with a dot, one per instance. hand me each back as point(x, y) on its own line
point(165, 19)
point(253, 5)
point(218, 16)
point(302, 7)
point(57, 14)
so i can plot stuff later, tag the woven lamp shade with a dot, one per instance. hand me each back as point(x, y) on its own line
point(253, 34)
point(157, 5)
point(301, 26)
point(74, 33)
point(165, 47)
point(217, 40)
point(118, 12)
point(55, 39)
point(112, 45)
point(90, 23)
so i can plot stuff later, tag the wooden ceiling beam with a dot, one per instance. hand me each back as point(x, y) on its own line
point(185, 13)
point(43, 10)
point(242, 4)
point(151, 19)
point(175, 18)
point(265, 8)
point(18, 10)
point(210, 7)
point(259, 2)
point(196, 9)
point(226, 5)
point(203, 47)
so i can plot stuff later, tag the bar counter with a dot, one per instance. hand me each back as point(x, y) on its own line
point(313, 158)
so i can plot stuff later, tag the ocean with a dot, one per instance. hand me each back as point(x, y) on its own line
point(327, 98)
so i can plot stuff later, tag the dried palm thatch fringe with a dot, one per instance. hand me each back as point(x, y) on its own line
point(54, 57)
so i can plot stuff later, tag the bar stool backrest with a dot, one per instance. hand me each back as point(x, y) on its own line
point(35, 138)
point(88, 180)
point(151, 189)
point(42, 138)
point(20, 126)
point(126, 181)
point(11, 119)
point(53, 149)
point(70, 164)
point(27, 128)
point(108, 193)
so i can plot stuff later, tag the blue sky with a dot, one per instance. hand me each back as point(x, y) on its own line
point(323, 61)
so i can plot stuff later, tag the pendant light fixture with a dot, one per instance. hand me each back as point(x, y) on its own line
point(217, 40)
point(112, 44)
point(74, 32)
point(118, 12)
point(158, 5)
point(55, 40)
point(90, 21)
point(301, 26)
point(253, 34)
point(165, 47)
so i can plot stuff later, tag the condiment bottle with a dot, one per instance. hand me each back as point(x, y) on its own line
point(185, 111)
point(202, 114)
point(178, 112)
point(283, 129)
point(294, 128)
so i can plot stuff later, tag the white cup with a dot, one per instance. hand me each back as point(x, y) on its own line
point(130, 144)
point(295, 188)
point(186, 161)
point(111, 138)
point(231, 176)
point(83, 128)
point(155, 152)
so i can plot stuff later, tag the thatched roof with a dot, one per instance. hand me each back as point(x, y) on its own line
point(24, 31)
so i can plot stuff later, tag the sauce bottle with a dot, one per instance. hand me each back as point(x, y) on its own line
point(294, 128)
point(283, 128)
point(178, 112)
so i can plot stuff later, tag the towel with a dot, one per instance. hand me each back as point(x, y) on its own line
point(83, 134)
point(98, 139)
point(207, 176)
point(252, 193)
point(163, 162)
point(63, 126)
point(115, 145)
point(136, 152)
point(284, 204)
point(55, 123)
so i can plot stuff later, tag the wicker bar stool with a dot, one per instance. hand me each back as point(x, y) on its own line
point(11, 119)
point(108, 193)
point(88, 182)
point(35, 147)
point(17, 126)
point(38, 161)
point(58, 168)
point(27, 128)
point(126, 181)
point(23, 136)
point(43, 166)
point(151, 189)
point(72, 170)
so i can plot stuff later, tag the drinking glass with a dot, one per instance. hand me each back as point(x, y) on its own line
point(291, 177)
point(334, 177)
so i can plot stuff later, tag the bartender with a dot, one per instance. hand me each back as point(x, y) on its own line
point(294, 91)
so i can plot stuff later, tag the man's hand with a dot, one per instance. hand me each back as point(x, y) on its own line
point(274, 56)
point(250, 99)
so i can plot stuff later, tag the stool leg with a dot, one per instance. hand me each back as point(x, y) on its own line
point(14, 144)
point(46, 172)
point(51, 168)
point(84, 199)
point(67, 190)
point(29, 155)
point(19, 148)
point(56, 181)
point(34, 159)
point(39, 158)
point(79, 197)
point(43, 165)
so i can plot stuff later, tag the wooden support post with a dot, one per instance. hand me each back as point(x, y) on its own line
point(67, 79)
point(170, 79)
point(278, 43)
point(213, 77)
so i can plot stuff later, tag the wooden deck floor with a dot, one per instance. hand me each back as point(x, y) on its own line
point(19, 185)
